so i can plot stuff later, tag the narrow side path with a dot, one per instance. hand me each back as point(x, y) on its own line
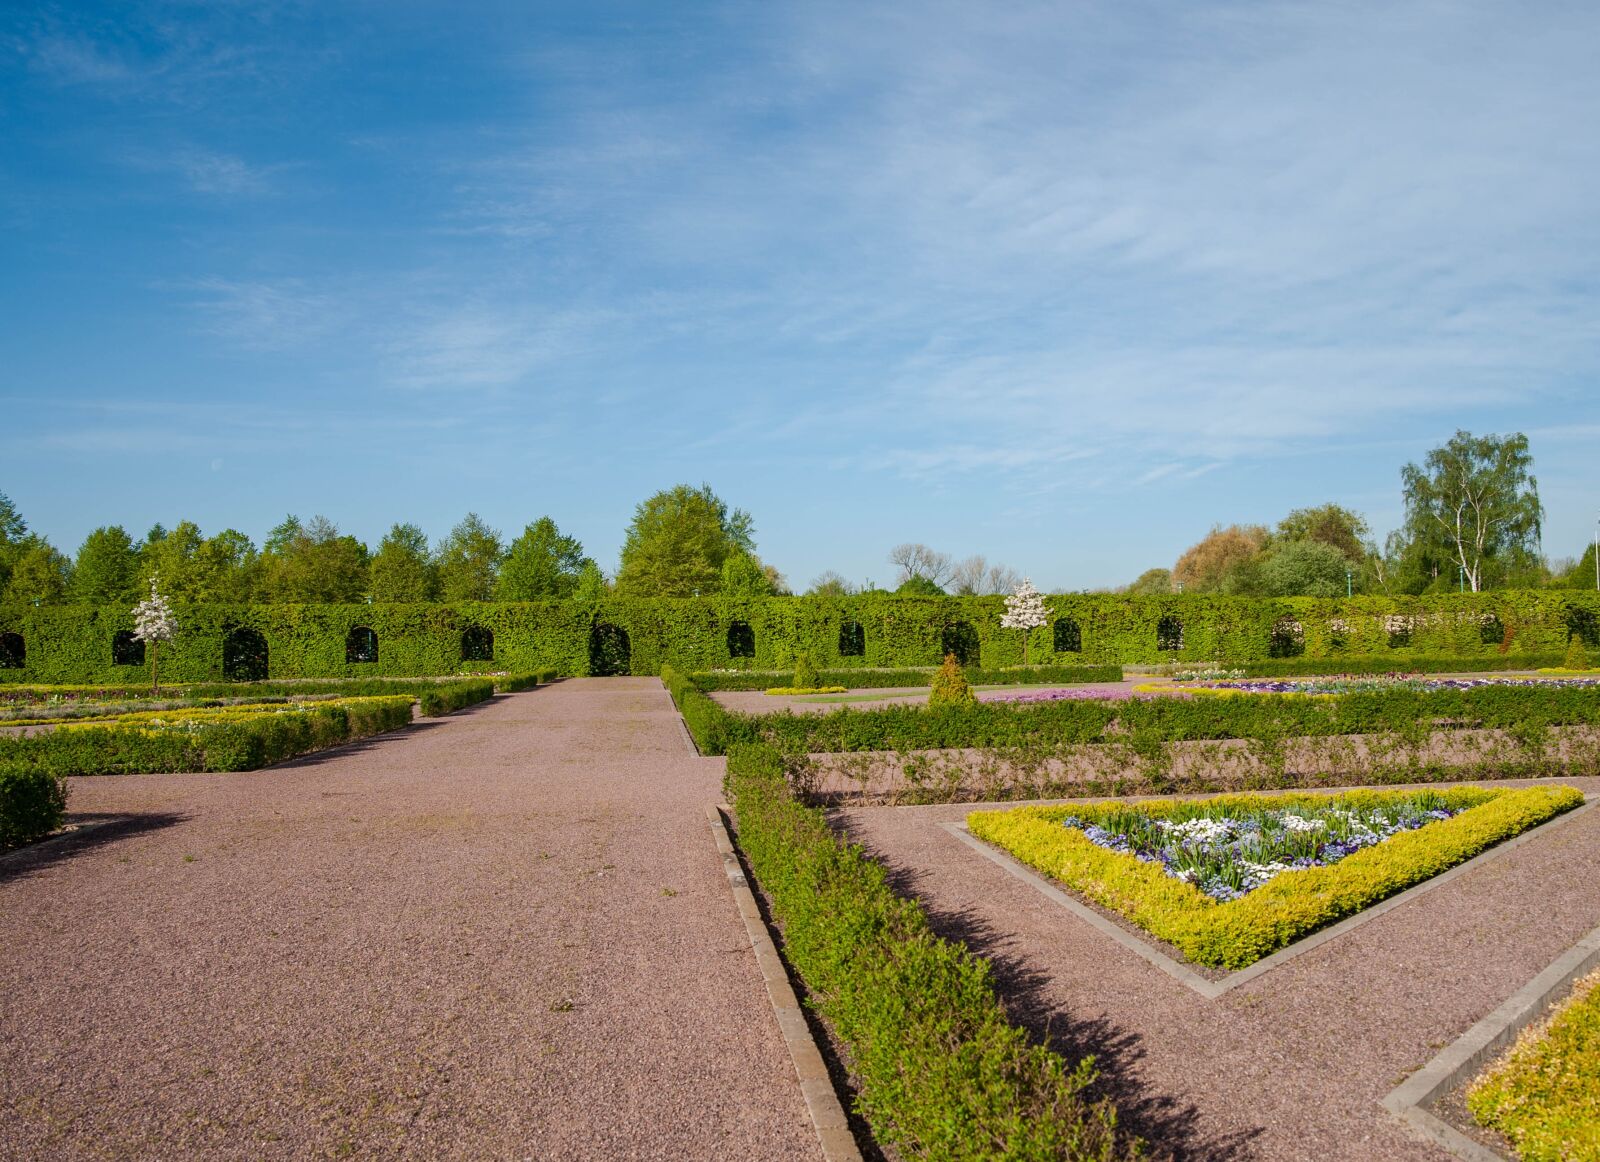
point(505, 934)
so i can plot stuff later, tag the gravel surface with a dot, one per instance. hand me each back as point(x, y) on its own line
point(1293, 1064)
point(503, 934)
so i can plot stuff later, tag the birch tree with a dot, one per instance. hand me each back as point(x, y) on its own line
point(1477, 499)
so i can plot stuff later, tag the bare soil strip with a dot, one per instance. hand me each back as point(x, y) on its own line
point(497, 935)
point(1295, 1063)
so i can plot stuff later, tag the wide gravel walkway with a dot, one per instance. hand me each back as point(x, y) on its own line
point(505, 934)
point(1291, 1065)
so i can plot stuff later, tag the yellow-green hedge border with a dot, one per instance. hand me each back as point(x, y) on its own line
point(1236, 934)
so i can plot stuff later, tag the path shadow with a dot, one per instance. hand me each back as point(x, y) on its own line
point(1171, 1127)
point(98, 830)
point(371, 742)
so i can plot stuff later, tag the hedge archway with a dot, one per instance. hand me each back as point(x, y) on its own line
point(960, 639)
point(360, 646)
point(741, 640)
point(244, 655)
point(1068, 636)
point(610, 651)
point(126, 650)
point(477, 644)
point(852, 640)
point(13, 651)
point(1169, 634)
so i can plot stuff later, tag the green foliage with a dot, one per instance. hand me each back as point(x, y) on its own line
point(805, 673)
point(541, 564)
point(247, 744)
point(912, 679)
point(1151, 583)
point(192, 568)
point(592, 584)
point(448, 697)
point(1388, 664)
point(950, 687)
point(919, 586)
point(469, 561)
point(403, 570)
point(1544, 1095)
point(33, 803)
point(1475, 502)
point(1577, 657)
point(106, 571)
point(678, 541)
point(39, 574)
point(1240, 932)
point(743, 575)
point(1304, 569)
point(1327, 524)
point(312, 563)
point(939, 1070)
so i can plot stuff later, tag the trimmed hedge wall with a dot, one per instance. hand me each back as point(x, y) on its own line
point(74, 643)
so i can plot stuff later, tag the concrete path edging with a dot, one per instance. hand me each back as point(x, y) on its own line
point(1469, 1053)
point(822, 1103)
point(1212, 989)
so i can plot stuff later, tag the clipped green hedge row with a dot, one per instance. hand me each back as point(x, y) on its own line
point(234, 746)
point(1298, 667)
point(640, 635)
point(1164, 719)
point(448, 697)
point(891, 679)
point(33, 803)
point(1240, 932)
point(940, 1072)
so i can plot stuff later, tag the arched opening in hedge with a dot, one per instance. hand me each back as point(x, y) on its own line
point(13, 651)
point(1491, 630)
point(126, 650)
point(960, 639)
point(244, 655)
point(360, 646)
point(741, 640)
point(1288, 639)
point(1068, 636)
point(852, 640)
point(1584, 625)
point(1169, 634)
point(477, 644)
point(610, 651)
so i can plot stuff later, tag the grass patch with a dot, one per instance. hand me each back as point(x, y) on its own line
point(1544, 1094)
point(1238, 932)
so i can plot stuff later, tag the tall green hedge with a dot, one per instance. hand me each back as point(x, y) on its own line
point(73, 643)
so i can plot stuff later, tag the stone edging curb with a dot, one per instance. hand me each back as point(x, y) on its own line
point(822, 1103)
point(1212, 989)
point(1469, 1053)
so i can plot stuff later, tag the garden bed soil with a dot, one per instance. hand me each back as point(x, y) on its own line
point(1294, 1063)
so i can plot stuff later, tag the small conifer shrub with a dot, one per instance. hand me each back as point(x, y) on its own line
point(1577, 656)
point(805, 674)
point(950, 686)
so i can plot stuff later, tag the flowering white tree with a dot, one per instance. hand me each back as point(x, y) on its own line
point(153, 624)
point(1025, 611)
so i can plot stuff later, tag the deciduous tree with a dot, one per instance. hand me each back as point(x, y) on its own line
point(469, 561)
point(1477, 498)
point(541, 564)
point(678, 541)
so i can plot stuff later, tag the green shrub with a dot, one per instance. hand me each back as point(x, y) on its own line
point(32, 804)
point(1240, 932)
point(448, 697)
point(1577, 656)
point(940, 1072)
point(1544, 1095)
point(1389, 664)
point(805, 674)
point(911, 678)
point(950, 686)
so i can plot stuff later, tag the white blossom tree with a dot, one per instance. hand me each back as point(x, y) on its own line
point(1025, 611)
point(153, 624)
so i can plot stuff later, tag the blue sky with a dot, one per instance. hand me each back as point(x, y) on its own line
point(1063, 284)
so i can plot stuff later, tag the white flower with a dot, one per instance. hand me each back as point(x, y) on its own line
point(1204, 830)
point(1293, 822)
point(1024, 608)
point(153, 620)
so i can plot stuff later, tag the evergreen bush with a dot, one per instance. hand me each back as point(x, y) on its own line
point(950, 687)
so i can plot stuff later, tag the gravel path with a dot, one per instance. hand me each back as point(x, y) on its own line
point(505, 934)
point(1293, 1064)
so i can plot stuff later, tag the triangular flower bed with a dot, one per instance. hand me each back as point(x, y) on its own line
point(1231, 879)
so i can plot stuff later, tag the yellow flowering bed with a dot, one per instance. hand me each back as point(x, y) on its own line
point(1544, 1094)
point(1237, 933)
point(192, 717)
point(809, 690)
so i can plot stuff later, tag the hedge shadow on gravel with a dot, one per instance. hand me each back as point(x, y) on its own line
point(18, 862)
point(1169, 1126)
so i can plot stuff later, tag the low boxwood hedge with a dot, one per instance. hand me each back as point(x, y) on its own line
point(939, 1069)
point(858, 679)
point(1389, 664)
point(247, 744)
point(1240, 932)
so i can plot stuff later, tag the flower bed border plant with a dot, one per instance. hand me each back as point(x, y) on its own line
point(1234, 935)
point(910, 677)
point(1544, 1094)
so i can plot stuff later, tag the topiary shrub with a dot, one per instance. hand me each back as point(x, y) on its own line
point(805, 674)
point(950, 686)
point(1577, 655)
